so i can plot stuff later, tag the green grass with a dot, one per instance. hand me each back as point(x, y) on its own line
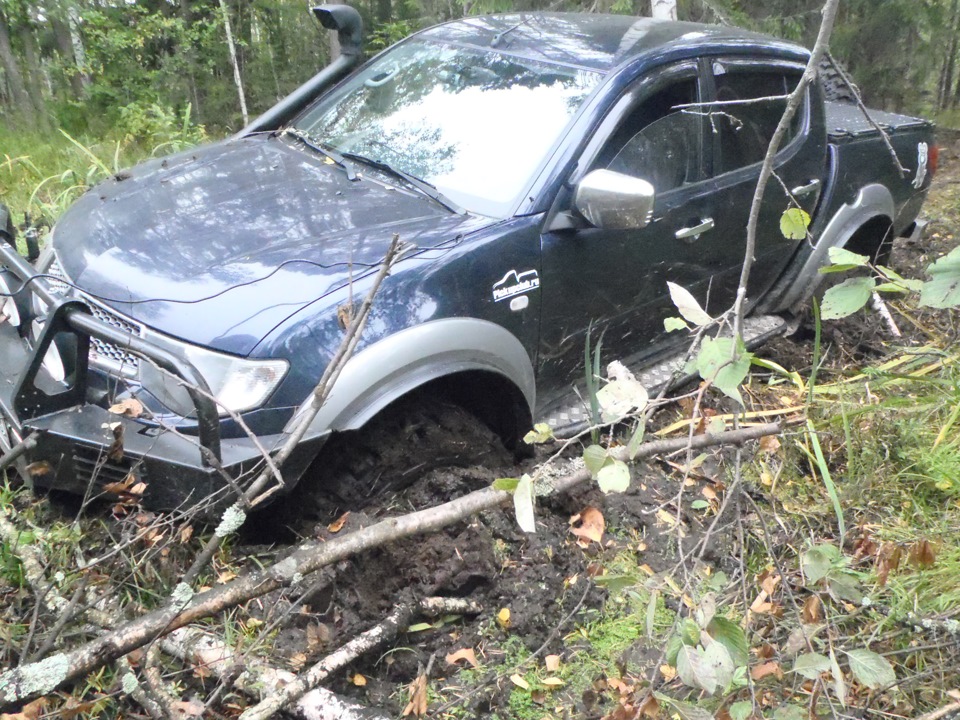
point(41, 174)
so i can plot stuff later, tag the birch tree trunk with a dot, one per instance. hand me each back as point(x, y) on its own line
point(237, 79)
point(663, 9)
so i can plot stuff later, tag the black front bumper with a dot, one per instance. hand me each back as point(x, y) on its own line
point(77, 447)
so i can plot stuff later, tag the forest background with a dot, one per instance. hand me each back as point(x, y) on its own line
point(150, 76)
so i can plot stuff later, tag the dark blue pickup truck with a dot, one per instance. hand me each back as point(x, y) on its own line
point(548, 173)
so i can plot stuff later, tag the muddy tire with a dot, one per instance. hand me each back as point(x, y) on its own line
point(835, 88)
point(400, 445)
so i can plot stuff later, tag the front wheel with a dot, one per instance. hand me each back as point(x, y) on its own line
point(404, 442)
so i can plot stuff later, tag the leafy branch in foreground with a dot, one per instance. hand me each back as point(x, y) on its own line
point(941, 291)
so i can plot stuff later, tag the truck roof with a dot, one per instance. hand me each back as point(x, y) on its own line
point(599, 42)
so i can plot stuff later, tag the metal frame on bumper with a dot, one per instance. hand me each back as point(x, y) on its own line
point(78, 442)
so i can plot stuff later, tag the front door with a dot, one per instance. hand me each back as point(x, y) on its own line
point(615, 281)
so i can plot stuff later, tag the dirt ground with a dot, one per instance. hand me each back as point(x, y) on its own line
point(540, 577)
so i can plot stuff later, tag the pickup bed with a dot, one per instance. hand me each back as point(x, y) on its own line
point(549, 173)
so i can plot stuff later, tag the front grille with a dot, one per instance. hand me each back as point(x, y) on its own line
point(91, 463)
point(56, 287)
point(103, 354)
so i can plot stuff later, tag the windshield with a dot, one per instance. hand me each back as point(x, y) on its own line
point(472, 122)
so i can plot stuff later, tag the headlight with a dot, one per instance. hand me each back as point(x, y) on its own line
point(8, 306)
point(238, 384)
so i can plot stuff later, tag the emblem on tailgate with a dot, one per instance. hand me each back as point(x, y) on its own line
point(923, 151)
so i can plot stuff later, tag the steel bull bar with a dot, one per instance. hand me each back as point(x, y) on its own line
point(60, 415)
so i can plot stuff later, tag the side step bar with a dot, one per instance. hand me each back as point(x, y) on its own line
point(571, 415)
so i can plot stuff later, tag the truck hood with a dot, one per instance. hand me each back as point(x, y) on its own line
point(219, 245)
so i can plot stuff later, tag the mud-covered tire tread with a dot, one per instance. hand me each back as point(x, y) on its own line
point(399, 445)
point(835, 89)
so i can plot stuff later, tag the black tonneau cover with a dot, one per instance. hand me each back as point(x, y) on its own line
point(845, 120)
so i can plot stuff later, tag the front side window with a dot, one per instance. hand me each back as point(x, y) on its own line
point(660, 140)
point(473, 122)
point(744, 130)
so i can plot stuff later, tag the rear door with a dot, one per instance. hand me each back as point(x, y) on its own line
point(750, 97)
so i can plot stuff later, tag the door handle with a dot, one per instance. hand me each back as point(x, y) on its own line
point(802, 190)
point(692, 232)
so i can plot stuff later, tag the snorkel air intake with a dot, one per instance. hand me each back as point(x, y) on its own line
point(346, 21)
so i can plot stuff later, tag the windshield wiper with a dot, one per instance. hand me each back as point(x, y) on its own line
point(327, 152)
point(422, 185)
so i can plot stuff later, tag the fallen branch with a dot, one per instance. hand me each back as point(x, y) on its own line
point(257, 680)
point(36, 679)
point(395, 623)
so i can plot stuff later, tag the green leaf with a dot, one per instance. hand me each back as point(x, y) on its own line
point(634, 445)
point(674, 323)
point(810, 665)
point(842, 256)
point(420, 627)
point(540, 434)
point(741, 710)
point(731, 636)
point(943, 289)
point(845, 586)
point(817, 562)
point(616, 583)
point(847, 297)
point(699, 505)
point(831, 269)
point(688, 306)
point(506, 484)
point(594, 457)
point(790, 712)
point(839, 686)
point(871, 669)
point(523, 504)
point(891, 287)
point(683, 710)
point(673, 649)
point(689, 632)
point(719, 364)
point(794, 223)
point(614, 477)
point(695, 671)
point(719, 663)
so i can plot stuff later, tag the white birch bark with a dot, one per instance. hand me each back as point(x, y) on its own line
point(237, 79)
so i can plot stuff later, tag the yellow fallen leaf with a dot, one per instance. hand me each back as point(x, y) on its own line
point(463, 654)
point(552, 682)
point(668, 671)
point(552, 662)
point(337, 525)
point(358, 680)
point(666, 518)
point(418, 697)
point(519, 682)
point(503, 618)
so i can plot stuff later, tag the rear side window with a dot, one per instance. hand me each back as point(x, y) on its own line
point(744, 131)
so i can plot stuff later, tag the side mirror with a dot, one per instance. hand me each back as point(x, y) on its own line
point(615, 201)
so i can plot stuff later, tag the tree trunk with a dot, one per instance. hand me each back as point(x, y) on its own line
point(33, 74)
point(950, 62)
point(11, 67)
point(237, 79)
point(61, 35)
point(663, 9)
